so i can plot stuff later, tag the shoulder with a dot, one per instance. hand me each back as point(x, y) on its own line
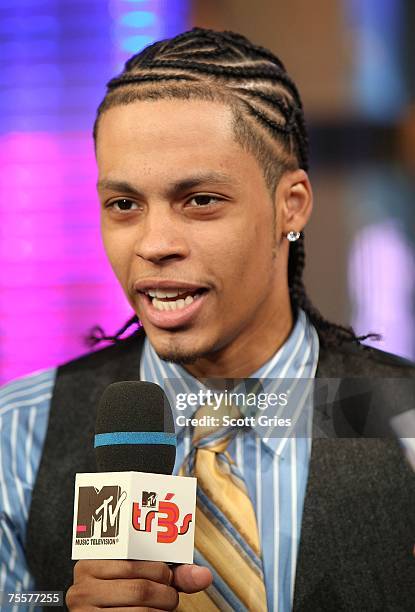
point(29, 392)
point(359, 360)
point(36, 389)
point(24, 413)
point(370, 388)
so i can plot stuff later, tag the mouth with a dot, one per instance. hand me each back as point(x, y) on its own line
point(174, 299)
point(169, 306)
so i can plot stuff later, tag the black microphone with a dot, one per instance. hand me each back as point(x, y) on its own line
point(134, 508)
point(134, 429)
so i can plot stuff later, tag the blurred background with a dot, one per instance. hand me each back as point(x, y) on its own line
point(353, 61)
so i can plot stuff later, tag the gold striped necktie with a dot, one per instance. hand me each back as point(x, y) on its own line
point(226, 533)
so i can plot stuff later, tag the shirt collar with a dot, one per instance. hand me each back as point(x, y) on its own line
point(297, 358)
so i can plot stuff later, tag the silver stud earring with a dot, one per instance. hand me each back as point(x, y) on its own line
point(293, 236)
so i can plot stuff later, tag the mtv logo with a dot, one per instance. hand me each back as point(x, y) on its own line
point(99, 507)
point(149, 499)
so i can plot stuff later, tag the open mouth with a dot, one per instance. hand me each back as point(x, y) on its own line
point(167, 305)
point(173, 299)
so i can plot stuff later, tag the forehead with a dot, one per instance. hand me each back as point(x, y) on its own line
point(162, 129)
point(168, 119)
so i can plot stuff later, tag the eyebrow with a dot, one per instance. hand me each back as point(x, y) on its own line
point(174, 189)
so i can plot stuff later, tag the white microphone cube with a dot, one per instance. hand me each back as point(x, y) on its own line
point(134, 515)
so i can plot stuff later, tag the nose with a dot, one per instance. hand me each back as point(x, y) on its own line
point(161, 236)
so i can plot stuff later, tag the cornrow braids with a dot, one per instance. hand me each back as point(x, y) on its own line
point(127, 79)
point(268, 121)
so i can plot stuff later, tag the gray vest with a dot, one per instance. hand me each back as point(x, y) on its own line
point(358, 527)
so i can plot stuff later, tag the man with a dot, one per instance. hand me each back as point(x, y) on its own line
point(202, 155)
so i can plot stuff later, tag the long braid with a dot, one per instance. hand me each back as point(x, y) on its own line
point(270, 121)
point(331, 333)
point(97, 334)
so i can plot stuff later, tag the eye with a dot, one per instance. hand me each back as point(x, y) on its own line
point(123, 205)
point(204, 200)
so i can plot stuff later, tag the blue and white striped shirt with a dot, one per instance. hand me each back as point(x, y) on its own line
point(275, 469)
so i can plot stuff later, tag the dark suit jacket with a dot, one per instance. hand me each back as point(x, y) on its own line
point(358, 526)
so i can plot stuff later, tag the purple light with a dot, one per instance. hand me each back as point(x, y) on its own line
point(382, 284)
point(55, 280)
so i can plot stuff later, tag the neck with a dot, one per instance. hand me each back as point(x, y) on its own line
point(249, 351)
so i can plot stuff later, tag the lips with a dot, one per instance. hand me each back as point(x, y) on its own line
point(170, 304)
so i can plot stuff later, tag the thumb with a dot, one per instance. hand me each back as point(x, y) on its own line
point(191, 578)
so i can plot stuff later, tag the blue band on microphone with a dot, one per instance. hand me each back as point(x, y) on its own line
point(134, 437)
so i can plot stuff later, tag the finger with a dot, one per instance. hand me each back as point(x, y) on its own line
point(135, 609)
point(110, 570)
point(192, 578)
point(123, 593)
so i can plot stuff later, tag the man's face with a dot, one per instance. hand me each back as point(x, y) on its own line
point(184, 208)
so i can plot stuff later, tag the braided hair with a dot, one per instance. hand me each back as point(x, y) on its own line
point(268, 122)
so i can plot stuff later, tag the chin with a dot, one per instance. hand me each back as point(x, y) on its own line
point(174, 351)
point(178, 357)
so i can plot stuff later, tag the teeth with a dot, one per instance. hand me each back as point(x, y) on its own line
point(160, 293)
point(168, 293)
point(176, 305)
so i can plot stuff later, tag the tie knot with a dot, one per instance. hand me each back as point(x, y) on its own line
point(212, 432)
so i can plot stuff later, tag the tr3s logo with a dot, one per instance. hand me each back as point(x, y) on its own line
point(99, 506)
point(167, 517)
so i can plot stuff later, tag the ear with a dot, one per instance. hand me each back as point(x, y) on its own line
point(293, 201)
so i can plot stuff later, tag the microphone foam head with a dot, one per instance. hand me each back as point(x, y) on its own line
point(134, 429)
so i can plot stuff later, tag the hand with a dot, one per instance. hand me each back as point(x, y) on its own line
point(138, 585)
